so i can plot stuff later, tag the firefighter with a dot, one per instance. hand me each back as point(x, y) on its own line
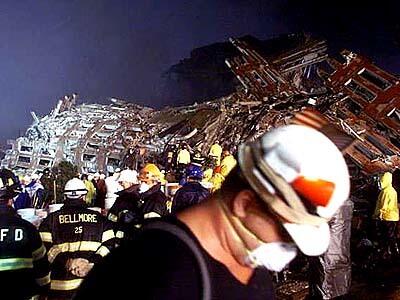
point(228, 162)
point(215, 153)
point(153, 200)
point(183, 160)
point(125, 211)
point(75, 238)
point(387, 213)
point(24, 269)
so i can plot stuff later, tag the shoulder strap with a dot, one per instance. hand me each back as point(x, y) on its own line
point(184, 236)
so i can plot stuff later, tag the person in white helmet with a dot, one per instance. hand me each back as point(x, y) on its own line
point(75, 238)
point(125, 211)
point(278, 199)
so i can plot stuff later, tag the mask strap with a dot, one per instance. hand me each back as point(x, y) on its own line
point(242, 235)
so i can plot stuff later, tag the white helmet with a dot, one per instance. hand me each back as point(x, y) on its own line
point(75, 188)
point(130, 176)
point(303, 178)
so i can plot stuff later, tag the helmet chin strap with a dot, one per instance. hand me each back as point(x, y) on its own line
point(245, 241)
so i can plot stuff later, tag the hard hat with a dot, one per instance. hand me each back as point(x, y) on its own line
point(9, 184)
point(130, 176)
point(150, 172)
point(194, 171)
point(75, 188)
point(302, 176)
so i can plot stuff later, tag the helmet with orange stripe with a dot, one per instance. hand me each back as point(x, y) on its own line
point(302, 176)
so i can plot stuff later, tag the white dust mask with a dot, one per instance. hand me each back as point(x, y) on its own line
point(144, 187)
point(274, 256)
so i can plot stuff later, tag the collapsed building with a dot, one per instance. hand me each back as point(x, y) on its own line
point(92, 136)
point(351, 92)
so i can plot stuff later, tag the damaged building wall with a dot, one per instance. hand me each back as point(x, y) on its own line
point(353, 94)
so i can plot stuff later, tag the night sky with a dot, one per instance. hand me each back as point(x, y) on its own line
point(120, 48)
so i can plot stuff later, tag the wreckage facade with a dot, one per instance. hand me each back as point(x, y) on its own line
point(351, 92)
point(92, 136)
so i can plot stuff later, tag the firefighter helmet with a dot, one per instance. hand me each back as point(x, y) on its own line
point(150, 172)
point(75, 189)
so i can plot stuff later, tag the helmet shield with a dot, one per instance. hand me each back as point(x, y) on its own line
point(75, 189)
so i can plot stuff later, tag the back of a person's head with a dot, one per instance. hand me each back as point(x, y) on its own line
point(75, 189)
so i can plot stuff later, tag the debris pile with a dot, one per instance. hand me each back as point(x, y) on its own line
point(350, 91)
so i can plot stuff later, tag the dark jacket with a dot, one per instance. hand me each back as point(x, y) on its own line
point(154, 201)
point(125, 213)
point(127, 201)
point(24, 269)
point(74, 232)
point(190, 194)
point(101, 191)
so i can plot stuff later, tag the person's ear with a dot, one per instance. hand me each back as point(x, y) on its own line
point(242, 202)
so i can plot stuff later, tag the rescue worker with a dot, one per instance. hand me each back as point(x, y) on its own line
point(23, 200)
point(217, 179)
point(198, 159)
point(192, 192)
point(182, 160)
point(221, 172)
point(215, 153)
point(101, 190)
point(125, 211)
point(228, 162)
point(387, 212)
point(75, 238)
point(24, 269)
point(112, 186)
point(35, 191)
point(286, 187)
point(91, 190)
point(153, 200)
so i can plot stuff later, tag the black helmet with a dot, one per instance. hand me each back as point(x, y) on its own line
point(9, 184)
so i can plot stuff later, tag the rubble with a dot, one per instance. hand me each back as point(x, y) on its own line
point(92, 136)
point(351, 92)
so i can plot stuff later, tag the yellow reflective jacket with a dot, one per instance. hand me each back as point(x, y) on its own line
point(227, 164)
point(91, 194)
point(207, 175)
point(386, 207)
point(217, 181)
point(216, 150)
point(183, 157)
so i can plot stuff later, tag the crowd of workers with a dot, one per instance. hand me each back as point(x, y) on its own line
point(215, 232)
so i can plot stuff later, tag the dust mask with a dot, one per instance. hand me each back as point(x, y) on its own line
point(274, 256)
point(144, 187)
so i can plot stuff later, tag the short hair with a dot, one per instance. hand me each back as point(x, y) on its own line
point(233, 184)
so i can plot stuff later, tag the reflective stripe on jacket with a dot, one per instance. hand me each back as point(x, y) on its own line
point(70, 233)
